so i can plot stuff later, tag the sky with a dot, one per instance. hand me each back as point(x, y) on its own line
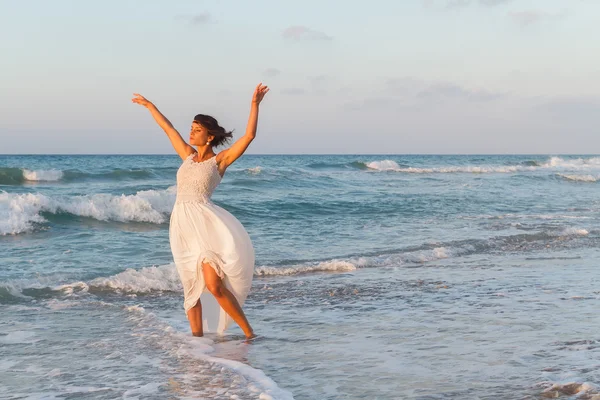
point(346, 77)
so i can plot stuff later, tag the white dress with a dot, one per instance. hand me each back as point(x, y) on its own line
point(200, 231)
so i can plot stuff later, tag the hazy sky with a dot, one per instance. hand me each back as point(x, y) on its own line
point(378, 76)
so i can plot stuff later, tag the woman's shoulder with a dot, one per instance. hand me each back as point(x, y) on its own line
point(221, 156)
point(187, 155)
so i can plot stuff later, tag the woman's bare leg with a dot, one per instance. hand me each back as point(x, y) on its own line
point(226, 299)
point(194, 315)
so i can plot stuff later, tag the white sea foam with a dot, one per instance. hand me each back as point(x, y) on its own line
point(389, 165)
point(556, 163)
point(329, 266)
point(414, 257)
point(387, 260)
point(42, 175)
point(254, 171)
point(266, 387)
point(580, 178)
point(575, 163)
point(144, 280)
point(18, 213)
point(385, 165)
point(143, 391)
point(573, 232)
point(21, 212)
point(70, 288)
point(135, 308)
point(56, 304)
point(253, 380)
point(570, 389)
point(17, 337)
point(13, 289)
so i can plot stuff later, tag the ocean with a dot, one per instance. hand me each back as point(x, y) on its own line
point(377, 277)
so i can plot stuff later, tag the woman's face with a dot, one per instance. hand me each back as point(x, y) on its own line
point(199, 135)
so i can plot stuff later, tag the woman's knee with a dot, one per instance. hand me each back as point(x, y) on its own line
point(215, 287)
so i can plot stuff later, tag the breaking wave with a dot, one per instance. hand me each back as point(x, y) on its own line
point(19, 176)
point(24, 212)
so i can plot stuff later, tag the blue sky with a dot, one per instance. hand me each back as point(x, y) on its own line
point(384, 76)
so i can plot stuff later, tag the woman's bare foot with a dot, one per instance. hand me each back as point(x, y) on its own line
point(198, 334)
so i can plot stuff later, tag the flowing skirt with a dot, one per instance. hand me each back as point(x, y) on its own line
point(206, 233)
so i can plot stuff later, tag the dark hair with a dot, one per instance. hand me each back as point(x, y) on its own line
point(221, 136)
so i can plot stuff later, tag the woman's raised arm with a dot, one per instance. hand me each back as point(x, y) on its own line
point(239, 147)
point(180, 146)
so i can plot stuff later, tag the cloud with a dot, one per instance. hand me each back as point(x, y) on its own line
point(408, 87)
point(293, 91)
point(201, 19)
point(412, 95)
point(526, 18)
point(404, 86)
point(455, 4)
point(198, 19)
point(319, 80)
point(271, 72)
point(381, 103)
point(451, 90)
point(493, 2)
point(415, 95)
point(299, 32)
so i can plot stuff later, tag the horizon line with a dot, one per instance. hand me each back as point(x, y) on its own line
point(309, 154)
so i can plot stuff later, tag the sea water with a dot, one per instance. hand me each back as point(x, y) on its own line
point(377, 277)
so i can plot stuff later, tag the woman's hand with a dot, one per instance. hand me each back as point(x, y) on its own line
point(141, 100)
point(259, 93)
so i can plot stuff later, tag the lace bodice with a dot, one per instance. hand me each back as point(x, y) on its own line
point(196, 181)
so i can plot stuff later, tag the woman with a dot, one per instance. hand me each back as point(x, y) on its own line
point(211, 249)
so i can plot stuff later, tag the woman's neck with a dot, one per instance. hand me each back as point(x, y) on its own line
point(204, 152)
